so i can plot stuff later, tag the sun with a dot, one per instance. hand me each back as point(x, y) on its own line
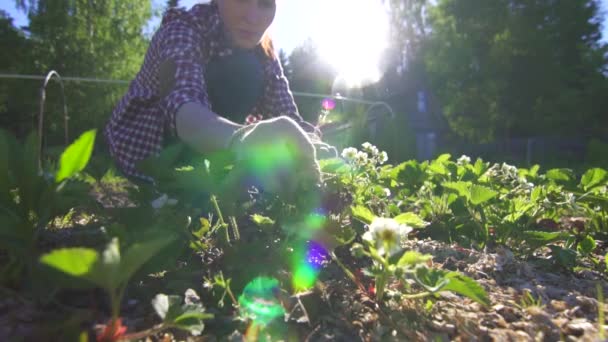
point(351, 35)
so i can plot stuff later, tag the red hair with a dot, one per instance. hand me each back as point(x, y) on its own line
point(267, 46)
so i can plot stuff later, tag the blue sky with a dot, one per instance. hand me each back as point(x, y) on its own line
point(293, 24)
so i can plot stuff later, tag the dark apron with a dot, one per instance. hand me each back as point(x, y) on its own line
point(235, 83)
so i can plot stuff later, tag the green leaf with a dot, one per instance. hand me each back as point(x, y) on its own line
point(411, 173)
point(560, 175)
point(262, 221)
point(466, 286)
point(536, 194)
point(76, 156)
point(564, 256)
point(412, 259)
point(536, 239)
point(187, 317)
point(462, 188)
point(159, 166)
point(344, 236)
point(438, 167)
point(432, 280)
point(481, 194)
point(586, 246)
point(362, 214)
point(533, 172)
point(27, 173)
point(412, 220)
point(162, 303)
point(77, 262)
point(480, 167)
point(443, 158)
point(334, 165)
point(594, 177)
point(138, 254)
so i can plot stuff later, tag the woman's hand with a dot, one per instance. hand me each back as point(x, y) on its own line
point(276, 156)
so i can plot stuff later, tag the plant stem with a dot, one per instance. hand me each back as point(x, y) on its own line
point(223, 224)
point(144, 333)
point(416, 295)
point(348, 273)
point(217, 209)
point(601, 320)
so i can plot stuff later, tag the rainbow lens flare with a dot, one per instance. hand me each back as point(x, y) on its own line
point(307, 263)
point(260, 301)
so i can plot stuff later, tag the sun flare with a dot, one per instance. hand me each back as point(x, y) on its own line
point(351, 36)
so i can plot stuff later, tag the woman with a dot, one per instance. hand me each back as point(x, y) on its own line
point(209, 74)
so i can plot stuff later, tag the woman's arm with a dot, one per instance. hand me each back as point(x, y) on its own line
point(202, 129)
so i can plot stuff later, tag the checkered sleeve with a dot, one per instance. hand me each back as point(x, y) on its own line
point(180, 45)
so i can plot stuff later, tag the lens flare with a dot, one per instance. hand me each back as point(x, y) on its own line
point(353, 38)
point(260, 301)
point(307, 263)
point(271, 157)
point(328, 104)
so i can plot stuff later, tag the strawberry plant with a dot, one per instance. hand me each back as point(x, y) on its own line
point(31, 196)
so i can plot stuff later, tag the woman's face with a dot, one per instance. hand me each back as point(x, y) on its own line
point(247, 20)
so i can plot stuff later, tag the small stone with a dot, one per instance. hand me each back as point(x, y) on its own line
point(545, 324)
point(580, 327)
point(520, 336)
point(494, 320)
point(447, 328)
point(508, 313)
point(520, 325)
point(589, 305)
point(575, 312)
point(558, 305)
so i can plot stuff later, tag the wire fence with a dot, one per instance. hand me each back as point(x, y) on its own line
point(378, 118)
point(374, 110)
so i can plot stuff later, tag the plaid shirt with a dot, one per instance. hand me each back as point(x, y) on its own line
point(190, 39)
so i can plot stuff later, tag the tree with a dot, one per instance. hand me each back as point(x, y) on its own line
point(409, 27)
point(15, 57)
point(308, 73)
point(94, 39)
point(517, 67)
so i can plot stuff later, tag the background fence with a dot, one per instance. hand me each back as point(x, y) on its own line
point(362, 120)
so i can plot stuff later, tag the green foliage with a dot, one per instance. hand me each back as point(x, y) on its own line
point(188, 316)
point(76, 38)
point(379, 206)
point(504, 68)
point(32, 197)
point(108, 270)
point(76, 157)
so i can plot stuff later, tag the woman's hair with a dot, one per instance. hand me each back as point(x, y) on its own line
point(267, 46)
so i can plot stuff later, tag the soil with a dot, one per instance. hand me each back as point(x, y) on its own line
point(531, 300)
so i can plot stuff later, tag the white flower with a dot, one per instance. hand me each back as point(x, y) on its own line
point(387, 192)
point(369, 148)
point(361, 157)
point(463, 160)
point(509, 170)
point(386, 235)
point(349, 153)
point(382, 157)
